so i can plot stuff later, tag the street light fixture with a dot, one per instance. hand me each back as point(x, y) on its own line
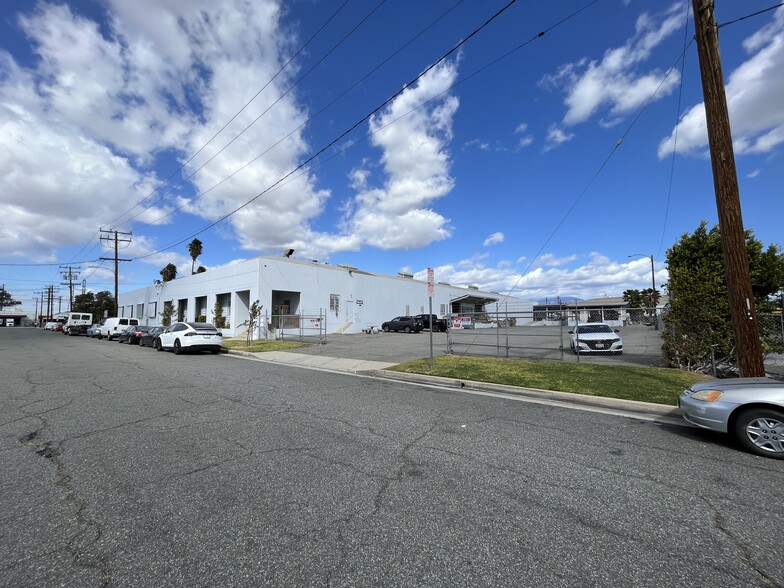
point(653, 287)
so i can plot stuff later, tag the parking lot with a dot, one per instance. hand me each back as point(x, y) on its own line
point(642, 345)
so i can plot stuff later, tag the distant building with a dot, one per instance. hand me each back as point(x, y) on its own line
point(614, 311)
point(349, 299)
point(12, 318)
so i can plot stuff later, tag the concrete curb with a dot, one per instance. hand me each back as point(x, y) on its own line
point(597, 401)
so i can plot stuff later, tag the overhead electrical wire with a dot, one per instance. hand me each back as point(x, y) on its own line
point(310, 119)
point(241, 110)
point(264, 87)
point(764, 10)
point(675, 132)
point(598, 172)
point(344, 133)
point(266, 110)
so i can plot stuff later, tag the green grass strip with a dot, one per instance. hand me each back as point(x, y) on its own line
point(658, 385)
point(261, 345)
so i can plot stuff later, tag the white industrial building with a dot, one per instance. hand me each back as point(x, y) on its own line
point(347, 299)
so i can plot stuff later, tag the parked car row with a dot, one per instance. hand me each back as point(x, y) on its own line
point(179, 337)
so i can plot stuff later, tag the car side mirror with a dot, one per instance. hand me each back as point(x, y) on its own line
point(571, 332)
point(617, 330)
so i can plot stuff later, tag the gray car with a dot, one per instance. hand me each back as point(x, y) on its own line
point(750, 409)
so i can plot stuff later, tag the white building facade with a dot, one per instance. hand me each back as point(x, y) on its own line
point(348, 299)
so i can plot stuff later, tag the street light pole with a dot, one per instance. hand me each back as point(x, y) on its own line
point(653, 287)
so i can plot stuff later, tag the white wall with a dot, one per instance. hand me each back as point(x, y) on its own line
point(365, 299)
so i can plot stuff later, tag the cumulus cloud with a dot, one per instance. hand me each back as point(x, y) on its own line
point(599, 276)
point(83, 127)
point(494, 239)
point(755, 92)
point(615, 85)
point(416, 161)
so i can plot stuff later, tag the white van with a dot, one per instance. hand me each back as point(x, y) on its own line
point(77, 323)
point(113, 326)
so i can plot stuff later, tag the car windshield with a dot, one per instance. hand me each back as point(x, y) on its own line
point(593, 329)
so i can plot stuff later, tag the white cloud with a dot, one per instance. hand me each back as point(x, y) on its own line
point(526, 139)
point(416, 162)
point(755, 92)
point(556, 136)
point(481, 145)
point(548, 259)
point(494, 239)
point(753, 174)
point(51, 171)
point(599, 276)
point(614, 84)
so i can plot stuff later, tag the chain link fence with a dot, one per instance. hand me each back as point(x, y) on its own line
point(556, 333)
point(308, 327)
point(565, 333)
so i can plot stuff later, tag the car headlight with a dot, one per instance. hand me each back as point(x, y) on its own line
point(708, 395)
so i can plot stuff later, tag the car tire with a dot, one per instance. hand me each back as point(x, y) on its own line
point(157, 345)
point(177, 347)
point(761, 431)
point(385, 328)
point(407, 329)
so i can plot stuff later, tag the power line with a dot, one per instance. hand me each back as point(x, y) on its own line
point(598, 172)
point(764, 10)
point(303, 124)
point(233, 118)
point(344, 133)
point(675, 132)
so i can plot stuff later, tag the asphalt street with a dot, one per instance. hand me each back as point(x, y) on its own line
point(127, 467)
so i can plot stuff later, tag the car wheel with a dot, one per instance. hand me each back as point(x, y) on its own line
point(407, 329)
point(385, 328)
point(761, 431)
point(100, 336)
point(177, 347)
point(157, 345)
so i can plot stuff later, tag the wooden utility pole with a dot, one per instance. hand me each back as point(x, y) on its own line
point(69, 275)
point(725, 180)
point(116, 259)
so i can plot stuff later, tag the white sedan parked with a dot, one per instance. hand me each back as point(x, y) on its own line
point(595, 338)
point(182, 337)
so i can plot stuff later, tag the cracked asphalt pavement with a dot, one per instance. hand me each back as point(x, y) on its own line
point(122, 466)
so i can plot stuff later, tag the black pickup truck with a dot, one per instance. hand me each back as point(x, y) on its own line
point(437, 323)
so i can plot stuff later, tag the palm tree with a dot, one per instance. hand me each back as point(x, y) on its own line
point(169, 272)
point(194, 248)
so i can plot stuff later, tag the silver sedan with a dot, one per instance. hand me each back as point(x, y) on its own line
point(751, 409)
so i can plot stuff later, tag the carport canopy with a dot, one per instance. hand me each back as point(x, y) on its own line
point(478, 302)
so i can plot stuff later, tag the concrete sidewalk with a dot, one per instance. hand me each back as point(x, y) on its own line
point(326, 362)
point(378, 369)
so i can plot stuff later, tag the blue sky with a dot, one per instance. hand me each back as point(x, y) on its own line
point(491, 168)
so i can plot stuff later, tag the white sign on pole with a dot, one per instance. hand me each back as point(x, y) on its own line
point(430, 282)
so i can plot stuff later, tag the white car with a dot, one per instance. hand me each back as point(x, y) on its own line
point(595, 338)
point(181, 337)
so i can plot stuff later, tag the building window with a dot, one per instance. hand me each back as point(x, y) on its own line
point(443, 310)
point(334, 303)
point(140, 310)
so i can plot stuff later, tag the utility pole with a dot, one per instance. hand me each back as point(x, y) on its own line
point(69, 276)
point(725, 181)
point(117, 260)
